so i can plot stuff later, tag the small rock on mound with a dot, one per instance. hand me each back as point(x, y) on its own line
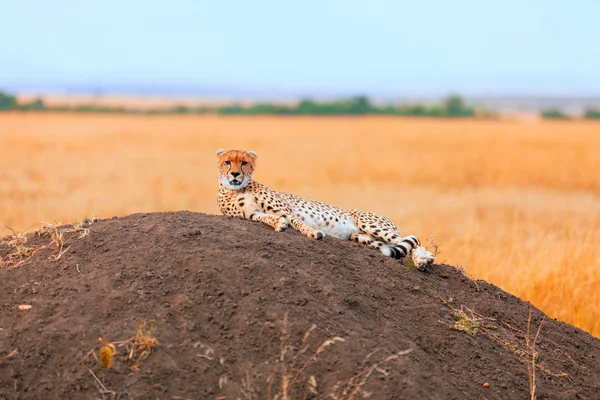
point(231, 306)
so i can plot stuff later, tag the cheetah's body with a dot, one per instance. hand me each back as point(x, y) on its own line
point(240, 196)
point(320, 216)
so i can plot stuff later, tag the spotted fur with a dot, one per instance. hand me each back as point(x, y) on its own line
point(240, 196)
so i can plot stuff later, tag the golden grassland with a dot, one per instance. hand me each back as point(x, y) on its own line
point(515, 203)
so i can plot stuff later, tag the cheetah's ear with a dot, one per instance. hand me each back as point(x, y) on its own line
point(220, 151)
point(253, 154)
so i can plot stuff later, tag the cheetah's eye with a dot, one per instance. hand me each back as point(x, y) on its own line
point(228, 162)
point(244, 163)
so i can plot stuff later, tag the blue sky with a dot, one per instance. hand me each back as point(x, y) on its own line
point(374, 47)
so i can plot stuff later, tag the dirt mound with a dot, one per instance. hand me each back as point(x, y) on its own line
point(215, 292)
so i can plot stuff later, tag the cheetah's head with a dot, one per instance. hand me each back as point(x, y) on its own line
point(235, 168)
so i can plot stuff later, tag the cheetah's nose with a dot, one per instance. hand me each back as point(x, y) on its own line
point(235, 174)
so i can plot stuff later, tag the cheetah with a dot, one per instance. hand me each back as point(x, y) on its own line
point(242, 197)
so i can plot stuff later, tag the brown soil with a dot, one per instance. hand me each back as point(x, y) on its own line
point(218, 290)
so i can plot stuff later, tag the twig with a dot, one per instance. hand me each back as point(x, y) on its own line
point(102, 389)
point(9, 355)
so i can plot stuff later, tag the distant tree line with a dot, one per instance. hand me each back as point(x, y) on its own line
point(451, 106)
point(589, 113)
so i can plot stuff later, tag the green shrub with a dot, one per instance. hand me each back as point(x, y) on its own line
point(454, 106)
point(554, 114)
point(7, 102)
point(268, 109)
point(592, 113)
point(180, 110)
point(414, 110)
point(230, 110)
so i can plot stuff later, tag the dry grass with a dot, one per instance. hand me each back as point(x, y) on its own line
point(352, 388)
point(18, 253)
point(135, 349)
point(290, 375)
point(468, 321)
point(532, 359)
point(516, 203)
point(290, 367)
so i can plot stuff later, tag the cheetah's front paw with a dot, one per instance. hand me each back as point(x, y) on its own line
point(319, 235)
point(281, 225)
point(420, 256)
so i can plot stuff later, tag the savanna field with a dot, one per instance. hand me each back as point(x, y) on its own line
point(516, 203)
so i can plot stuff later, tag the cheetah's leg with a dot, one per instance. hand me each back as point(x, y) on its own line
point(382, 229)
point(246, 204)
point(304, 229)
point(369, 241)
